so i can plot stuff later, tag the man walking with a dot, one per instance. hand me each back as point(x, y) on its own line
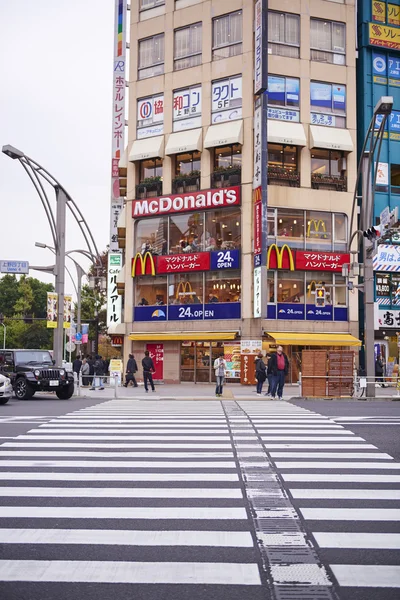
point(279, 369)
point(131, 369)
point(76, 367)
point(98, 373)
point(220, 372)
point(148, 369)
point(261, 375)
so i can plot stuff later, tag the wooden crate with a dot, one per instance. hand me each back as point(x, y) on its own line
point(313, 370)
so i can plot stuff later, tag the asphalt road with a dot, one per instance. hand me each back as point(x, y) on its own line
point(196, 500)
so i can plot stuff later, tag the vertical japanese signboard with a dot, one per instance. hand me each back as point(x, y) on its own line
point(114, 308)
point(118, 120)
point(260, 56)
point(52, 301)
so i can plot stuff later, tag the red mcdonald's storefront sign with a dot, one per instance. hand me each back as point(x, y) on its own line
point(117, 340)
point(280, 258)
point(288, 260)
point(143, 264)
point(183, 263)
point(257, 227)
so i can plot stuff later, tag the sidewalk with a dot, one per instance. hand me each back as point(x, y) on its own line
point(202, 391)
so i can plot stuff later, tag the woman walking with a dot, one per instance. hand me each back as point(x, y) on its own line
point(261, 373)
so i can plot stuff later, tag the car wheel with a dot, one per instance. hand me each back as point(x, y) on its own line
point(4, 400)
point(66, 392)
point(23, 391)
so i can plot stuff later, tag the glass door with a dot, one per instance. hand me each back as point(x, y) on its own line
point(202, 374)
point(187, 361)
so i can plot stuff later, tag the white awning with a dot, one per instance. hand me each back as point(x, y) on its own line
point(281, 132)
point(223, 134)
point(184, 141)
point(121, 223)
point(123, 161)
point(147, 148)
point(331, 138)
point(121, 276)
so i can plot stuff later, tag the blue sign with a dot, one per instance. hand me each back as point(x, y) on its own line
point(296, 312)
point(257, 260)
point(188, 312)
point(271, 311)
point(282, 114)
point(225, 259)
point(150, 313)
point(394, 121)
point(185, 312)
point(14, 266)
point(379, 66)
point(313, 313)
point(78, 336)
point(222, 310)
point(291, 311)
point(394, 67)
point(284, 91)
point(340, 313)
point(328, 96)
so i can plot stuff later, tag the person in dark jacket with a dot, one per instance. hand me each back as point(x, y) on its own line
point(379, 370)
point(279, 369)
point(90, 361)
point(98, 373)
point(148, 369)
point(131, 369)
point(261, 374)
point(76, 365)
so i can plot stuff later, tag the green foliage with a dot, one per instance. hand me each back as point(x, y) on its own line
point(9, 294)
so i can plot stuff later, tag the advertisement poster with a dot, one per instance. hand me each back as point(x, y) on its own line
point(157, 354)
point(52, 310)
point(116, 369)
point(85, 333)
point(67, 311)
point(250, 347)
point(232, 357)
point(247, 370)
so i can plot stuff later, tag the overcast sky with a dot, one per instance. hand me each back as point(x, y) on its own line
point(55, 105)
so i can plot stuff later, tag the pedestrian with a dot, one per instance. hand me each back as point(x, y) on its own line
point(131, 369)
point(106, 364)
point(98, 373)
point(91, 367)
point(261, 373)
point(148, 369)
point(279, 369)
point(220, 372)
point(269, 374)
point(379, 370)
point(76, 367)
point(85, 370)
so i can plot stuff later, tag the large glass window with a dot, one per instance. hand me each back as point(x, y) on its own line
point(283, 34)
point(283, 92)
point(319, 230)
point(222, 286)
point(228, 157)
point(291, 228)
point(187, 47)
point(185, 288)
point(282, 156)
point(328, 104)
point(223, 231)
point(227, 35)
point(151, 291)
point(150, 169)
point(152, 235)
point(290, 287)
point(151, 57)
point(328, 41)
point(188, 163)
point(328, 169)
point(395, 179)
point(186, 233)
point(271, 287)
point(315, 280)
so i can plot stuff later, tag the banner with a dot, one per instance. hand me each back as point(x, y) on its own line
point(52, 310)
point(114, 301)
point(85, 333)
point(386, 37)
point(67, 311)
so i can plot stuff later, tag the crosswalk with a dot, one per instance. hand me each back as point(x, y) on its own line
point(197, 500)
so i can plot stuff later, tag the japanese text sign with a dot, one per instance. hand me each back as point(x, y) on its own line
point(387, 258)
point(156, 352)
point(183, 263)
point(116, 209)
point(386, 319)
point(187, 108)
point(321, 261)
point(226, 100)
point(382, 285)
point(378, 11)
point(150, 116)
point(119, 88)
point(386, 37)
point(114, 308)
point(225, 259)
point(257, 227)
point(257, 147)
point(260, 49)
point(393, 14)
point(14, 266)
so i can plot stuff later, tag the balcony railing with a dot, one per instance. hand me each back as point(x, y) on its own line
point(283, 177)
point(226, 177)
point(149, 188)
point(190, 182)
point(328, 182)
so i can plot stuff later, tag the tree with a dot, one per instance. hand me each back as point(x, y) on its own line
point(8, 294)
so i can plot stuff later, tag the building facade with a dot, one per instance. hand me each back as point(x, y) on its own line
point(189, 221)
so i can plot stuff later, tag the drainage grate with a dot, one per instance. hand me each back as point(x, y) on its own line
point(309, 592)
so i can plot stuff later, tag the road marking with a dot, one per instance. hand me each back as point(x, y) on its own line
point(23, 444)
point(118, 537)
point(53, 492)
point(350, 514)
point(319, 446)
point(117, 464)
point(345, 494)
point(356, 539)
point(299, 574)
point(341, 478)
point(375, 576)
point(134, 425)
point(336, 465)
point(139, 438)
point(316, 438)
point(129, 572)
point(369, 455)
point(148, 432)
point(32, 476)
point(82, 453)
point(328, 431)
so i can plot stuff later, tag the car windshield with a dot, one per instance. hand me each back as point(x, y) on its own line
point(33, 357)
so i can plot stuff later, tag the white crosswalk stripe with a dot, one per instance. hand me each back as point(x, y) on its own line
point(347, 493)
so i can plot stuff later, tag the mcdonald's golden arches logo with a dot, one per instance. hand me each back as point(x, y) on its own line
point(280, 258)
point(184, 289)
point(257, 195)
point(143, 264)
point(317, 225)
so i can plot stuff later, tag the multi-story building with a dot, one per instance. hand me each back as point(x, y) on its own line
point(188, 275)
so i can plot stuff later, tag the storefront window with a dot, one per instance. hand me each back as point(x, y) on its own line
point(290, 287)
point(150, 291)
point(150, 168)
point(319, 230)
point(187, 163)
point(186, 233)
point(223, 286)
point(340, 291)
point(152, 235)
point(223, 231)
point(315, 280)
point(271, 223)
point(228, 157)
point(282, 156)
point(271, 287)
point(327, 162)
point(185, 289)
point(291, 228)
point(340, 233)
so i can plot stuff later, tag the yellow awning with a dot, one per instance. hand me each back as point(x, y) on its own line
point(314, 339)
point(194, 336)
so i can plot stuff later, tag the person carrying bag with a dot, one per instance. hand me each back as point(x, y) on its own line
point(261, 373)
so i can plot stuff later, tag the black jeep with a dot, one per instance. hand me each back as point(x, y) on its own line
point(32, 371)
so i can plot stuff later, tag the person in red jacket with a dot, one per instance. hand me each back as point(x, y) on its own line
point(278, 365)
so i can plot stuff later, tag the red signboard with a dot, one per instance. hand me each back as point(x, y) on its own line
point(257, 227)
point(157, 354)
point(320, 261)
point(117, 340)
point(183, 263)
point(178, 203)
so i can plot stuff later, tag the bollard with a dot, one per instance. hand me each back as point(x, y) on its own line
point(115, 386)
point(79, 383)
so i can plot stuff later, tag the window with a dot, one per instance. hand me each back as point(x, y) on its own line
point(188, 163)
point(395, 179)
point(150, 169)
point(319, 230)
point(187, 108)
point(283, 165)
point(271, 218)
point(227, 35)
point(315, 280)
point(328, 41)
point(328, 169)
point(290, 287)
point(283, 92)
point(291, 228)
point(228, 157)
point(340, 291)
point(222, 231)
point(328, 104)
point(187, 52)
point(147, 4)
point(222, 286)
point(340, 232)
point(271, 287)
point(151, 56)
point(152, 235)
point(185, 288)
point(226, 102)
point(151, 291)
point(186, 233)
point(283, 34)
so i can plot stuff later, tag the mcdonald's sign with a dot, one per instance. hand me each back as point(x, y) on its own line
point(184, 289)
point(317, 225)
point(280, 258)
point(143, 264)
point(257, 194)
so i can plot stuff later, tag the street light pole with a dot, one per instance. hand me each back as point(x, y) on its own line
point(58, 339)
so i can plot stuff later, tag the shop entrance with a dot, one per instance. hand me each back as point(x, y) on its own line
point(197, 360)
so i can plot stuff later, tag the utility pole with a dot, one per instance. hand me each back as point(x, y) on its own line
point(58, 339)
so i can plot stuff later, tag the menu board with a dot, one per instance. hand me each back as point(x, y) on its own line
point(250, 347)
point(232, 357)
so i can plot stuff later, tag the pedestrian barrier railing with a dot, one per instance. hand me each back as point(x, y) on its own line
point(97, 381)
point(358, 382)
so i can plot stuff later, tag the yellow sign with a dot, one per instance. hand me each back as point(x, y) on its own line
point(52, 302)
point(394, 14)
point(385, 37)
point(67, 311)
point(317, 225)
point(279, 253)
point(184, 289)
point(257, 194)
point(115, 365)
point(379, 12)
point(143, 258)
